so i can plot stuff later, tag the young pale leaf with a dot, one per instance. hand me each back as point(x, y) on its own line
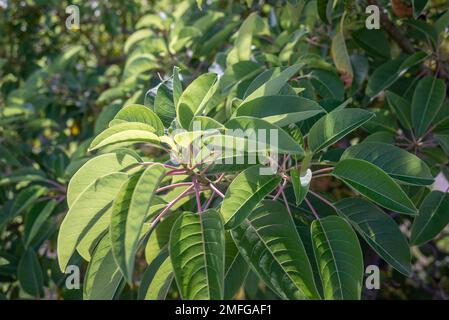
point(396, 162)
point(103, 276)
point(340, 55)
point(128, 215)
point(339, 258)
point(195, 97)
point(401, 107)
point(30, 274)
point(197, 251)
point(157, 279)
point(427, 100)
point(432, 219)
point(236, 268)
point(92, 207)
point(375, 184)
point(379, 231)
point(335, 125)
point(244, 193)
point(94, 169)
point(290, 109)
point(142, 114)
point(269, 242)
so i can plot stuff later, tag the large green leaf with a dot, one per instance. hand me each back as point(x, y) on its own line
point(401, 108)
point(195, 97)
point(159, 238)
point(157, 279)
point(197, 251)
point(244, 193)
point(128, 137)
point(119, 128)
point(139, 113)
point(30, 274)
point(335, 125)
point(103, 276)
point(269, 242)
point(129, 210)
point(398, 163)
point(261, 132)
point(91, 209)
point(289, 109)
point(94, 169)
point(236, 268)
point(339, 258)
point(375, 184)
point(432, 219)
point(427, 100)
point(387, 74)
point(273, 84)
point(379, 231)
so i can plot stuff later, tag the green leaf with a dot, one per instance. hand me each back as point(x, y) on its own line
point(339, 258)
point(128, 215)
point(335, 125)
point(164, 105)
point(41, 219)
point(387, 74)
point(242, 46)
point(94, 169)
point(396, 162)
point(30, 274)
point(375, 184)
point(325, 10)
point(379, 231)
point(197, 251)
point(269, 242)
point(244, 193)
point(427, 100)
point(401, 107)
point(142, 114)
point(300, 189)
point(272, 83)
point(177, 86)
point(103, 276)
point(195, 97)
point(443, 141)
point(157, 279)
point(291, 109)
point(432, 219)
point(119, 128)
point(236, 268)
point(25, 198)
point(91, 208)
point(328, 84)
point(340, 55)
point(127, 137)
point(159, 238)
point(254, 127)
point(442, 23)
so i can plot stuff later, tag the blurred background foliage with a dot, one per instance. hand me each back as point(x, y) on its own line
point(60, 87)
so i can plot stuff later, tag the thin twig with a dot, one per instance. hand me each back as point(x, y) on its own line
point(197, 194)
point(311, 208)
point(171, 204)
point(175, 185)
point(214, 188)
point(286, 203)
point(323, 199)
